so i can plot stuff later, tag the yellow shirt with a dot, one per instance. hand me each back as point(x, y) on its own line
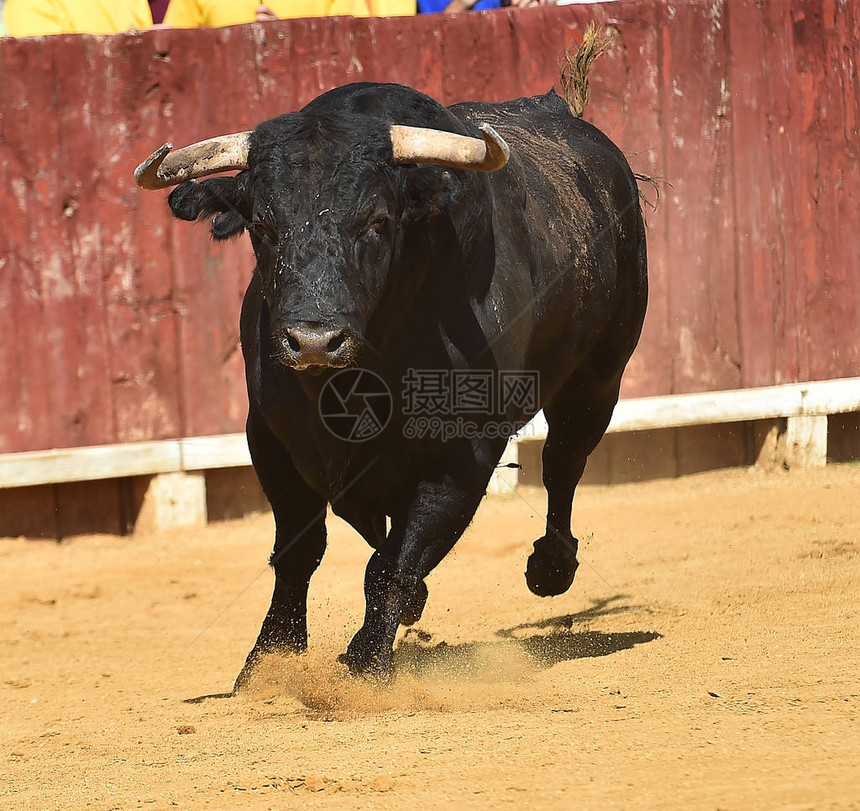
point(33, 18)
point(214, 13)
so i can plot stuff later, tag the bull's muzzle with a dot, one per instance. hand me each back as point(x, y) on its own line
point(306, 346)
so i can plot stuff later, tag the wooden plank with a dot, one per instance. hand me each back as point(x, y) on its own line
point(86, 415)
point(650, 454)
point(233, 493)
point(207, 453)
point(85, 508)
point(468, 54)
point(831, 396)
point(379, 50)
point(29, 512)
point(34, 243)
point(701, 409)
point(799, 399)
point(741, 405)
point(423, 42)
point(824, 179)
point(700, 217)
point(625, 102)
point(140, 306)
point(276, 75)
point(843, 437)
point(797, 181)
point(209, 279)
point(19, 289)
point(710, 447)
point(761, 194)
point(88, 464)
point(541, 36)
point(312, 47)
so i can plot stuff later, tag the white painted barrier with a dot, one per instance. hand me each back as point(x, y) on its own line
point(805, 406)
point(118, 461)
point(741, 405)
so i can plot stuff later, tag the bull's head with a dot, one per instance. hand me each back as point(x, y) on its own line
point(325, 202)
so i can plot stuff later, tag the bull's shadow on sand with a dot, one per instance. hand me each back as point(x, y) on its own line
point(521, 650)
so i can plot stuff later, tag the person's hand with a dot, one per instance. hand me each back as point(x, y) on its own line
point(456, 6)
point(265, 14)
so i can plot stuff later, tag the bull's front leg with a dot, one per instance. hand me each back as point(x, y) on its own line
point(436, 517)
point(300, 541)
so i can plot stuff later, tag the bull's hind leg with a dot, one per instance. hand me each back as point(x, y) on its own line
point(577, 417)
point(300, 540)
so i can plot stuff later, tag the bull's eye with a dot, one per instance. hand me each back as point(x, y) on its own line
point(374, 226)
point(264, 230)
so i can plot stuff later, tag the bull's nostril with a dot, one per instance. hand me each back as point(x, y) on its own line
point(335, 343)
point(306, 344)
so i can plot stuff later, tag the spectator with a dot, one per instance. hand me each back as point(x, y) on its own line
point(214, 13)
point(33, 18)
point(456, 6)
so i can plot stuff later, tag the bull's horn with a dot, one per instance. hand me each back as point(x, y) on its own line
point(440, 148)
point(164, 168)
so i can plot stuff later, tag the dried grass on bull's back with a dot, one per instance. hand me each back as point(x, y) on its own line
point(575, 65)
point(573, 77)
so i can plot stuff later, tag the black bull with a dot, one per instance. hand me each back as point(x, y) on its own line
point(399, 267)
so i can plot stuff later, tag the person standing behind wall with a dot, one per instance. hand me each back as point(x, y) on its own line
point(456, 6)
point(34, 18)
point(216, 13)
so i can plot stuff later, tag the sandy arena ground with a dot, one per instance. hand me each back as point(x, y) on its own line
point(706, 657)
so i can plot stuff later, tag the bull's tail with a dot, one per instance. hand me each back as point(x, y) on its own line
point(575, 66)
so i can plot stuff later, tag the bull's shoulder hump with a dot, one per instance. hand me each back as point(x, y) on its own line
point(539, 121)
point(548, 103)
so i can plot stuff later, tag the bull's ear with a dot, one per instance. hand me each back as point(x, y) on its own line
point(224, 199)
point(428, 191)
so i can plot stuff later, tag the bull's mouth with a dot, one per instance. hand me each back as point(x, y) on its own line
point(317, 366)
point(316, 369)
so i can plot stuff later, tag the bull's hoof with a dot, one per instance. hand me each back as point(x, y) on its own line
point(415, 609)
point(551, 567)
point(373, 665)
point(252, 662)
point(247, 671)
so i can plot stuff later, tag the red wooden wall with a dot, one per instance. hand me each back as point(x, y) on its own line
point(118, 324)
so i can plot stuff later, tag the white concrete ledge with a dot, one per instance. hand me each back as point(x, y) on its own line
point(88, 464)
point(207, 452)
point(119, 461)
point(804, 406)
point(817, 399)
point(231, 450)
